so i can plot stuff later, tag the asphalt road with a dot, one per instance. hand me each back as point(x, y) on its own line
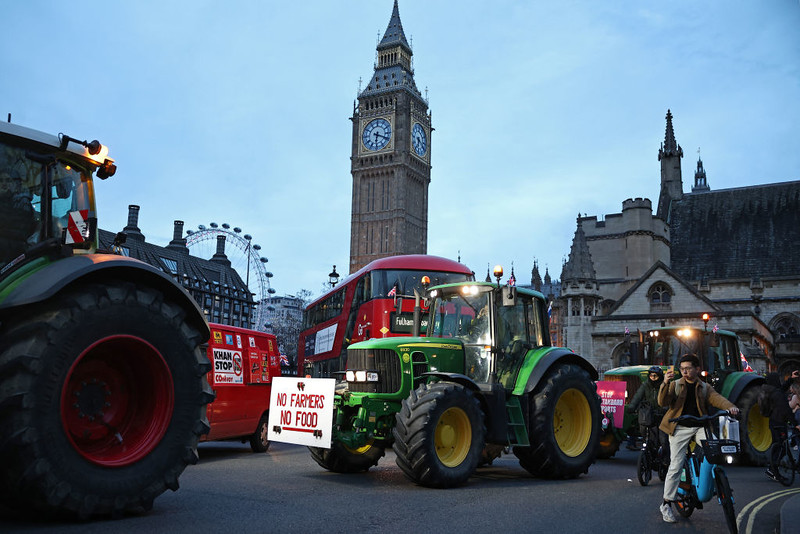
point(235, 490)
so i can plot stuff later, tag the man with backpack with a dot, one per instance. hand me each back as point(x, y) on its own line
point(773, 402)
point(688, 395)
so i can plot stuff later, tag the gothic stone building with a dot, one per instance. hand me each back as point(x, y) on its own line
point(390, 157)
point(732, 253)
point(215, 285)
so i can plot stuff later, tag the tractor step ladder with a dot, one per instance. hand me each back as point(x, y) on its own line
point(517, 433)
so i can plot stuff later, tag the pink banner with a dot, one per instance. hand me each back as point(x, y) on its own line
point(612, 400)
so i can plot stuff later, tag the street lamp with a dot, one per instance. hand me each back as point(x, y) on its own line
point(333, 277)
point(705, 322)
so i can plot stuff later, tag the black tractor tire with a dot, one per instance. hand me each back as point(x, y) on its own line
point(259, 441)
point(102, 399)
point(439, 435)
point(754, 434)
point(342, 459)
point(563, 424)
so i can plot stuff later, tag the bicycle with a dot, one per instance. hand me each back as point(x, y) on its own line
point(654, 456)
point(787, 458)
point(702, 476)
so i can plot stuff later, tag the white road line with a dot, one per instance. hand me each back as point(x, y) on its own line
point(757, 505)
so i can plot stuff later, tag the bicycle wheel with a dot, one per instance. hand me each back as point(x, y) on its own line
point(644, 473)
point(725, 496)
point(663, 464)
point(786, 466)
point(686, 499)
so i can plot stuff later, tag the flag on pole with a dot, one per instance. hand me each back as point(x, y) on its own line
point(512, 280)
point(392, 292)
point(745, 365)
point(284, 360)
point(549, 309)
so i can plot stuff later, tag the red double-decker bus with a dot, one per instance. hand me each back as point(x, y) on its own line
point(376, 301)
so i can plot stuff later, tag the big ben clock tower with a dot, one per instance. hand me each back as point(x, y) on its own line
point(390, 158)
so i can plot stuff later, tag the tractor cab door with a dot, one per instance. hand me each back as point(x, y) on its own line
point(520, 327)
point(723, 359)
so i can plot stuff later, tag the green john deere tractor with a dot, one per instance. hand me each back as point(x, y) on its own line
point(722, 368)
point(484, 378)
point(102, 383)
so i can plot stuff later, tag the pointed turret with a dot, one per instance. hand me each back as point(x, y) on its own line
point(579, 268)
point(393, 69)
point(536, 279)
point(700, 182)
point(669, 155)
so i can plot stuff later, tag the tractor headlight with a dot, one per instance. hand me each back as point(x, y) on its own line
point(361, 376)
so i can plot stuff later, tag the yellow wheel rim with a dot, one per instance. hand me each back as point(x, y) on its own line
point(360, 450)
point(453, 437)
point(572, 422)
point(758, 430)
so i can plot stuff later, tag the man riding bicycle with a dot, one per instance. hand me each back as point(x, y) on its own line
point(689, 395)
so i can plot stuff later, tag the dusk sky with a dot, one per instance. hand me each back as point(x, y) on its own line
point(239, 111)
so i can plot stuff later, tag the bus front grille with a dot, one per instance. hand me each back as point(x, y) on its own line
point(385, 361)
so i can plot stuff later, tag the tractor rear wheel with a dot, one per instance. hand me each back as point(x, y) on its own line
point(342, 459)
point(439, 435)
point(102, 400)
point(563, 424)
point(754, 433)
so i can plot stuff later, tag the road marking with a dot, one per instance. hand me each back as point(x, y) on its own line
point(757, 505)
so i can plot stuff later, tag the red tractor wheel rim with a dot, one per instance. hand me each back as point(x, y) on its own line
point(117, 401)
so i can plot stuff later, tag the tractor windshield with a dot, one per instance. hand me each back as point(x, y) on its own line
point(37, 196)
point(717, 353)
point(464, 313)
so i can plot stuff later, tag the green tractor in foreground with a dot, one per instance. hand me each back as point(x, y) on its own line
point(102, 382)
point(721, 362)
point(484, 378)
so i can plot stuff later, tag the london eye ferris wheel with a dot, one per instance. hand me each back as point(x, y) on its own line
point(246, 260)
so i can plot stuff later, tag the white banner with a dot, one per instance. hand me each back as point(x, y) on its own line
point(301, 411)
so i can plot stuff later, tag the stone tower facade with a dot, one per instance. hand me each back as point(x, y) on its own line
point(390, 157)
point(580, 297)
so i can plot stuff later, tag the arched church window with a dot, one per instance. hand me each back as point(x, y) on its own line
point(660, 294)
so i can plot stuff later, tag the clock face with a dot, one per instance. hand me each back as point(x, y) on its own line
point(377, 134)
point(419, 140)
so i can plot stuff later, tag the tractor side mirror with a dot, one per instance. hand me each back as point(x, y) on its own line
point(509, 296)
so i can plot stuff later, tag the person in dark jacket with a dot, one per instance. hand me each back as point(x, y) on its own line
point(780, 416)
point(646, 398)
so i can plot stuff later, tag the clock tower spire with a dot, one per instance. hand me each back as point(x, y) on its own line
point(390, 156)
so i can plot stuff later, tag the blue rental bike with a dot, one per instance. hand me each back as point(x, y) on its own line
point(702, 476)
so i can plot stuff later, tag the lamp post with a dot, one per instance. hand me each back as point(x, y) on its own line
point(333, 277)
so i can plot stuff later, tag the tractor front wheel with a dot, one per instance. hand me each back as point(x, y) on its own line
point(563, 424)
point(342, 459)
point(439, 435)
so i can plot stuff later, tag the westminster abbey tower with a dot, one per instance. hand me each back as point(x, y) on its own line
point(391, 157)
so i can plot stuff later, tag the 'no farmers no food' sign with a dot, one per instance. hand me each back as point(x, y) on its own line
point(301, 411)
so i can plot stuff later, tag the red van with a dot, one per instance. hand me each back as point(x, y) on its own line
point(243, 364)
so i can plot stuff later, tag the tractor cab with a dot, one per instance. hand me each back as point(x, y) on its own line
point(718, 351)
point(47, 200)
point(497, 325)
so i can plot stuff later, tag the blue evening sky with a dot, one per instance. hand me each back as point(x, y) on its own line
point(238, 111)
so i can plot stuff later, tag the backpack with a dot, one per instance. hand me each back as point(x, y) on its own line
point(765, 400)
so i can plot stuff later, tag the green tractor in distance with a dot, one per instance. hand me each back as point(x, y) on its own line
point(482, 379)
point(722, 368)
point(102, 383)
